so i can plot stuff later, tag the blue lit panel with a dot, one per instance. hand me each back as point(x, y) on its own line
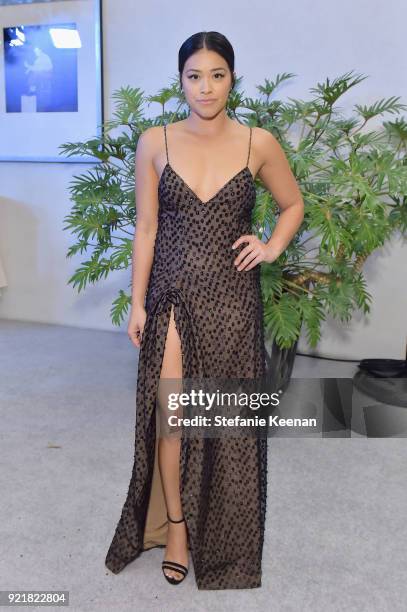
point(41, 68)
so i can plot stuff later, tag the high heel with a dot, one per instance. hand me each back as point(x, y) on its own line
point(173, 565)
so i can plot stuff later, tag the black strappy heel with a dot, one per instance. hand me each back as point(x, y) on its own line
point(177, 567)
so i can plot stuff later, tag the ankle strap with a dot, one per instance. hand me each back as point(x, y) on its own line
point(172, 521)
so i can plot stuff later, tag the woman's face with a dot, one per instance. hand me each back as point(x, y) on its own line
point(206, 76)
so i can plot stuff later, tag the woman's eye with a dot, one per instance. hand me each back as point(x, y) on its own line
point(192, 76)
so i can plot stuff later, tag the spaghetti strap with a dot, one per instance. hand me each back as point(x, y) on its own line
point(166, 146)
point(250, 142)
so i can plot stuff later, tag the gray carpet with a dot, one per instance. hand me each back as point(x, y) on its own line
point(336, 537)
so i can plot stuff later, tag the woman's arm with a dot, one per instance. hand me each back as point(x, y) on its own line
point(277, 176)
point(146, 183)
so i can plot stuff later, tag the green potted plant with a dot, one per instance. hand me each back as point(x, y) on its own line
point(353, 180)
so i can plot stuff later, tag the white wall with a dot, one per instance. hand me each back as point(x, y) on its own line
point(141, 40)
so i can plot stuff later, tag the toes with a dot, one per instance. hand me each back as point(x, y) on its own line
point(175, 575)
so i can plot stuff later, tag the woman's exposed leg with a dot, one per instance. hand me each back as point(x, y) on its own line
point(169, 449)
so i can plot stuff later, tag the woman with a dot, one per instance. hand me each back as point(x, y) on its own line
point(197, 312)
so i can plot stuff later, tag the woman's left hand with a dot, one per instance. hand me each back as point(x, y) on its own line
point(255, 252)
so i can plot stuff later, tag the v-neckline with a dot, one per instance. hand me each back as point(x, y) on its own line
point(219, 190)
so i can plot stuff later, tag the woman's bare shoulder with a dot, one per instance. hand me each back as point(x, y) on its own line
point(264, 138)
point(266, 146)
point(151, 135)
point(150, 146)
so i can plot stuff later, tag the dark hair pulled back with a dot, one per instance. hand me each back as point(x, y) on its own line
point(213, 41)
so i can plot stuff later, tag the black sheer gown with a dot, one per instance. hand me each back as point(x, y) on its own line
point(219, 316)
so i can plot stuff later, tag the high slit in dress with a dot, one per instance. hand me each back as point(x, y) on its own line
point(218, 314)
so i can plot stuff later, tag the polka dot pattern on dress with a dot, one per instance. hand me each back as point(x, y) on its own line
point(219, 316)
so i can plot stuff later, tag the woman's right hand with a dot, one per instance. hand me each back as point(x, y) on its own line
point(136, 325)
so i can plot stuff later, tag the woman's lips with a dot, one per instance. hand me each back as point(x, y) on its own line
point(206, 101)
